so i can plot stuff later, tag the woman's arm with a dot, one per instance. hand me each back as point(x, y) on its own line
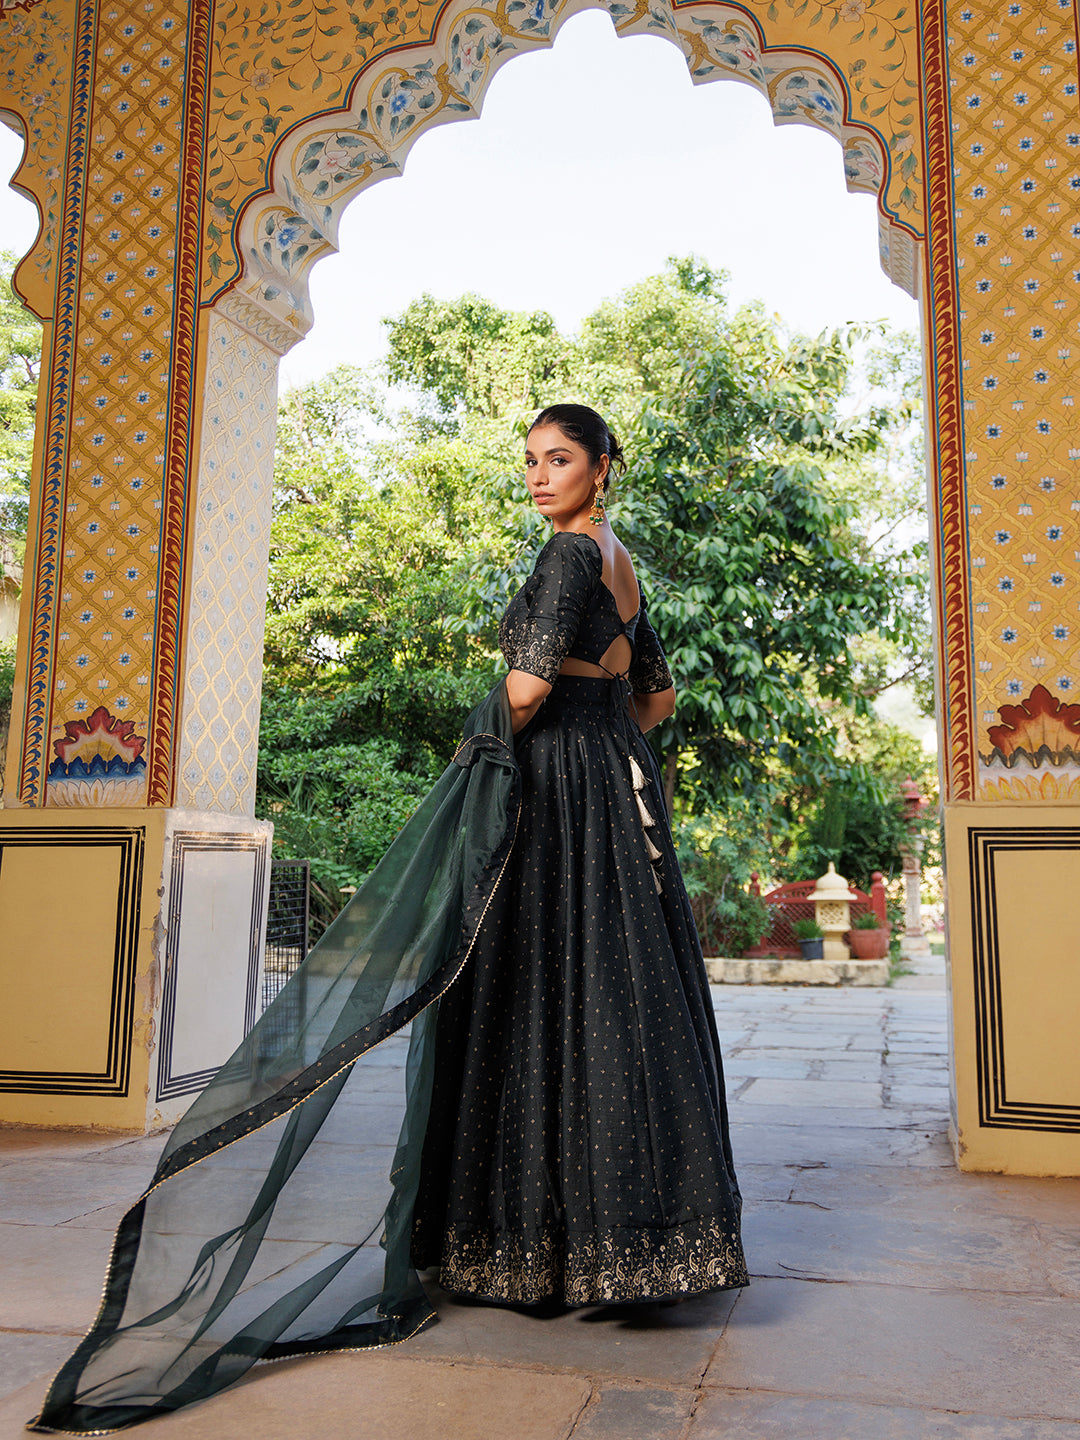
point(526, 694)
point(652, 707)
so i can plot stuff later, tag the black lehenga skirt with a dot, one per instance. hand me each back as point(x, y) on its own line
point(576, 1143)
point(577, 1147)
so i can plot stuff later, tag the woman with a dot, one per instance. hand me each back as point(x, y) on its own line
point(579, 1147)
point(561, 1130)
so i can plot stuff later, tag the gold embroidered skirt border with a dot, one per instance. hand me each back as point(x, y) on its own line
point(603, 1267)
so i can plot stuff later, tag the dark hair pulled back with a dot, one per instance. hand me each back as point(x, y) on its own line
point(587, 429)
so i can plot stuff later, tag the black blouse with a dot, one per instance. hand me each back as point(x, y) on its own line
point(565, 611)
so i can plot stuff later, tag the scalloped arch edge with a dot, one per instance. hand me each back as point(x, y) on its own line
point(325, 161)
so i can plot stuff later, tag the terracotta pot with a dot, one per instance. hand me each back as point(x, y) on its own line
point(869, 944)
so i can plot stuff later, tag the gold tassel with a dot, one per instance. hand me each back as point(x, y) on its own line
point(639, 780)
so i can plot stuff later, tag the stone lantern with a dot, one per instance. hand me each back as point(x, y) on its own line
point(832, 911)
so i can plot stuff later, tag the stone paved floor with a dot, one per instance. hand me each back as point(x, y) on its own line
point(893, 1298)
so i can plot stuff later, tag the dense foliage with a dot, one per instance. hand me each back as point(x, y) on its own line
point(770, 508)
point(20, 359)
point(773, 506)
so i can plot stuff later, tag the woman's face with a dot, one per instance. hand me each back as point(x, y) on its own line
point(560, 476)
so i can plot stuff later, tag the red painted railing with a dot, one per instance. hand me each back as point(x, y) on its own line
point(790, 902)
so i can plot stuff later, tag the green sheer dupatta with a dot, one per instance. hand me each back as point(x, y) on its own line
point(278, 1220)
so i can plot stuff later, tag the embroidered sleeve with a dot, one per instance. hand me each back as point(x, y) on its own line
point(648, 671)
point(545, 615)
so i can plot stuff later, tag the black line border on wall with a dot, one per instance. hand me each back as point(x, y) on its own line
point(115, 1078)
point(184, 843)
point(997, 1109)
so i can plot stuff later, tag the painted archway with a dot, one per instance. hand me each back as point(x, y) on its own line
point(319, 165)
point(190, 164)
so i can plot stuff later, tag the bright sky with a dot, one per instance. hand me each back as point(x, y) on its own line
point(592, 162)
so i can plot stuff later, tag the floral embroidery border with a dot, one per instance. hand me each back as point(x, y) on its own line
point(603, 1267)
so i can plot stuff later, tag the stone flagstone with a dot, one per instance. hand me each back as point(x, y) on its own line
point(892, 1298)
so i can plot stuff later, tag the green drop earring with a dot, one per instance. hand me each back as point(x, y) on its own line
point(598, 514)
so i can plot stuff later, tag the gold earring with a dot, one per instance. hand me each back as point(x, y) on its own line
point(598, 514)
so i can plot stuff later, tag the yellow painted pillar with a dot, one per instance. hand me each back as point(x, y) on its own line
point(132, 875)
point(1003, 112)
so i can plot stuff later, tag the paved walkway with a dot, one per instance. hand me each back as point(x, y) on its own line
point(893, 1298)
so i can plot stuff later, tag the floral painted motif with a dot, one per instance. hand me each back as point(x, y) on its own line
point(474, 44)
point(403, 98)
point(263, 67)
point(1040, 730)
point(336, 162)
point(862, 166)
point(286, 241)
point(98, 762)
point(804, 94)
point(731, 46)
point(883, 46)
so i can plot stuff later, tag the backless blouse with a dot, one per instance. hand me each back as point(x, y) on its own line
point(565, 611)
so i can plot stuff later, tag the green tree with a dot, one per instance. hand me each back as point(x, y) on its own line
point(20, 362)
point(741, 507)
point(7, 688)
point(366, 681)
point(360, 587)
point(886, 493)
point(857, 820)
point(759, 585)
point(471, 358)
point(755, 507)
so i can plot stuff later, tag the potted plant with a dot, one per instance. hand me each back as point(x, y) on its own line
point(869, 937)
point(811, 939)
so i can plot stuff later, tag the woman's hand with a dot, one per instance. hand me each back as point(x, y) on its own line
point(526, 694)
point(650, 709)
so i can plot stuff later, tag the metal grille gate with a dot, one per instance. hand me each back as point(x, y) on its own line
point(286, 925)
